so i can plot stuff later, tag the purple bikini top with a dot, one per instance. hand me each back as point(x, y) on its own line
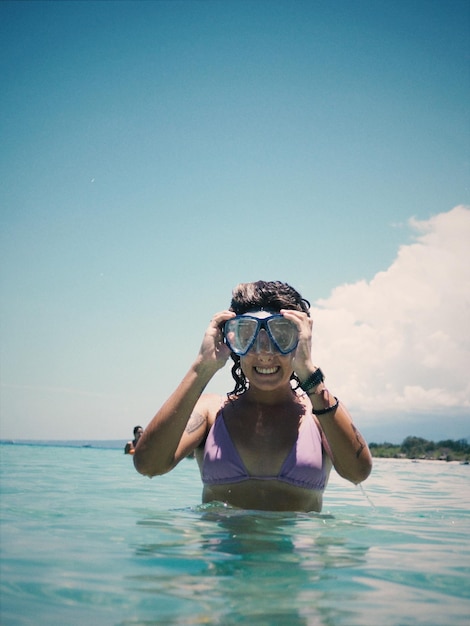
point(303, 467)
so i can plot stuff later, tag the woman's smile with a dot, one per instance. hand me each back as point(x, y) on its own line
point(266, 370)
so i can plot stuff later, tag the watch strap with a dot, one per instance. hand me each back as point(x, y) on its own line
point(313, 380)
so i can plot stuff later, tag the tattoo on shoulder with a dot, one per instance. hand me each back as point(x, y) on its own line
point(194, 422)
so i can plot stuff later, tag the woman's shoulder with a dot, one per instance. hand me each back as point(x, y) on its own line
point(210, 405)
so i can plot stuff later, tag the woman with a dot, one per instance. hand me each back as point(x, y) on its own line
point(271, 443)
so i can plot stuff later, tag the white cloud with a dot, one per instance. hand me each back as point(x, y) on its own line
point(401, 342)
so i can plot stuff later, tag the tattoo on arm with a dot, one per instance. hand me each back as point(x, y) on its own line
point(360, 442)
point(194, 422)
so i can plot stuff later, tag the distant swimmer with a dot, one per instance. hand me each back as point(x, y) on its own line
point(130, 445)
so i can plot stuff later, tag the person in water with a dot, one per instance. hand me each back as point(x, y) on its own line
point(270, 444)
point(129, 448)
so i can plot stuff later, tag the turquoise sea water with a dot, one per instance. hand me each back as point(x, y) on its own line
point(87, 540)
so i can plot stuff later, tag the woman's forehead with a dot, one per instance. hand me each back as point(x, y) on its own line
point(259, 314)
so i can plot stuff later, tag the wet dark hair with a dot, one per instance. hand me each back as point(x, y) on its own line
point(270, 296)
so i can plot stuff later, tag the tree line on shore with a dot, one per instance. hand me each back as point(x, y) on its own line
point(419, 448)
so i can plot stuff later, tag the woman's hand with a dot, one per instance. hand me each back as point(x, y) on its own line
point(213, 349)
point(303, 365)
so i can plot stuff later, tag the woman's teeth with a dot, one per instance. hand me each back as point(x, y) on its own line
point(266, 370)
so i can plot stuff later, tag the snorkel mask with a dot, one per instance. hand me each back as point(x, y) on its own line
point(243, 331)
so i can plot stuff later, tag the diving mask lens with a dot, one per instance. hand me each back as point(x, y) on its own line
point(240, 334)
point(242, 331)
point(283, 333)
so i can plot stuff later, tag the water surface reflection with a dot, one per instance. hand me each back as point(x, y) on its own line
point(233, 566)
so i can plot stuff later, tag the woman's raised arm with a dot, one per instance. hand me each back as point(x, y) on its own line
point(159, 449)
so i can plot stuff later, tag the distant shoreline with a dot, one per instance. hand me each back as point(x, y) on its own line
point(417, 448)
point(103, 444)
point(412, 448)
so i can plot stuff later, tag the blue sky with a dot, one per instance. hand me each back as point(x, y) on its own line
point(155, 154)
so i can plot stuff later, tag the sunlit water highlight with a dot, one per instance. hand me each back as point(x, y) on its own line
point(86, 540)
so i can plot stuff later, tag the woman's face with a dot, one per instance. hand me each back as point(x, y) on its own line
point(264, 366)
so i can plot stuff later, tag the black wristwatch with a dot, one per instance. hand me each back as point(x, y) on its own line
point(313, 380)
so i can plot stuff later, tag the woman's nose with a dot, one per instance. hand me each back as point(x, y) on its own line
point(263, 342)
